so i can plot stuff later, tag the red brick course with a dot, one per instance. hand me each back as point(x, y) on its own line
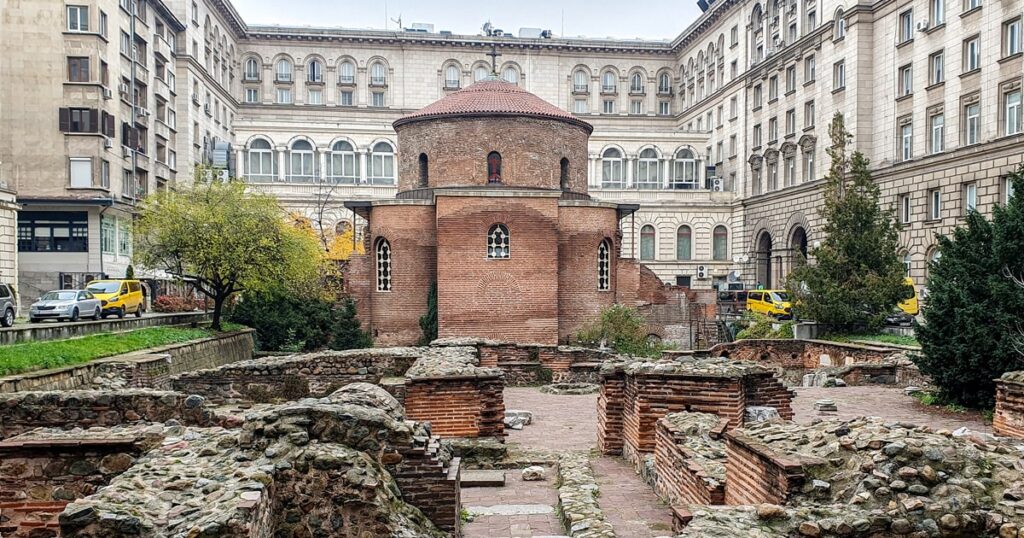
point(458, 407)
point(680, 477)
point(1008, 418)
point(757, 474)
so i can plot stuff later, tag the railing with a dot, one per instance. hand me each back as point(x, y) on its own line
point(609, 89)
point(378, 81)
point(581, 88)
point(661, 195)
point(286, 190)
point(346, 79)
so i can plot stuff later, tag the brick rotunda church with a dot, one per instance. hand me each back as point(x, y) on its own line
point(492, 205)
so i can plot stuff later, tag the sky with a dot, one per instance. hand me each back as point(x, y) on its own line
point(645, 19)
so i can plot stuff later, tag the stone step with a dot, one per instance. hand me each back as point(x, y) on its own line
point(482, 478)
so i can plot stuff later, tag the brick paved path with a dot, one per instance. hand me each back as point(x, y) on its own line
point(887, 402)
point(515, 492)
point(630, 506)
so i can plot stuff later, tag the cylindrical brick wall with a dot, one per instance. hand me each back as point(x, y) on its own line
point(456, 149)
point(580, 232)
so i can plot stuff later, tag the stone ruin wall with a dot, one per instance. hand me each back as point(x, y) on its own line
point(682, 475)
point(1008, 417)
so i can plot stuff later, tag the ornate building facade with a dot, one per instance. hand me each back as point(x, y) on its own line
point(719, 134)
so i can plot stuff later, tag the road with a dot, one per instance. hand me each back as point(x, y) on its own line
point(23, 322)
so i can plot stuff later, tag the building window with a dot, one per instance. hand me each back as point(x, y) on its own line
point(316, 97)
point(105, 174)
point(936, 68)
point(839, 75)
point(378, 74)
point(684, 238)
point(906, 26)
point(510, 74)
point(284, 96)
point(78, 19)
point(498, 243)
point(791, 78)
point(636, 83)
point(809, 164)
point(81, 172)
point(1007, 189)
point(648, 173)
point(341, 166)
point(810, 69)
point(647, 243)
point(80, 120)
point(789, 170)
point(383, 265)
point(972, 54)
point(773, 176)
point(664, 108)
point(938, 131)
point(756, 135)
point(840, 29)
point(971, 4)
point(906, 264)
point(345, 99)
point(809, 114)
point(284, 71)
point(734, 108)
point(608, 106)
point(260, 158)
point(905, 212)
point(684, 170)
point(301, 162)
point(757, 96)
point(252, 95)
point(664, 84)
point(773, 88)
point(636, 106)
point(480, 73)
point(906, 141)
point(78, 69)
point(611, 169)
point(252, 69)
point(315, 71)
point(938, 12)
point(53, 231)
point(382, 164)
point(720, 243)
point(773, 129)
point(970, 197)
point(452, 77)
point(377, 99)
point(124, 236)
point(732, 146)
point(972, 126)
point(347, 73)
point(108, 235)
point(1011, 112)
point(906, 80)
point(934, 204)
point(580, 81)
point(604, 266)
point(734, 36)
point(608, 82)
point(791, 121)
point(1011, 37)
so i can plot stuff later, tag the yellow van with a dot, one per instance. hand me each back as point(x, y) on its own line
point(118, 297)
point(910, 306)
point(774, 303)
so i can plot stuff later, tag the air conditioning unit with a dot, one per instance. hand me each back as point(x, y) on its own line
point(195, 98)
point(206, 108)
point(922, 26)
point(717, 184)
point(122, 88)
point(108, 142)
point(702, 271)
point(126, 151)
point(144, 112)
point(107, 94)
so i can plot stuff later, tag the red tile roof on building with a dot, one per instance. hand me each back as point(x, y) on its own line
point(492, 98)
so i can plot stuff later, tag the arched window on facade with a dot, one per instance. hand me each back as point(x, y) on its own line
point(510, 74)
point(498, 243)
point(346, 73)
point(383, 251)
point(301, 162)
point(664, 84)
point(480, 73)
point(580, 81)
point(284, 70)
point(494, 167)
point(424, 170)
point(720, 243)
point(608, 84)
point(452, 77)
point(563, 174)
point(840, 28)
point(252, 69)
point(647, 242)
point(315, 71)
point(341, 167)
point(378, 74)
point(604, 266)
point(907, 262)
point(611, 169)
point(636, 83)
point(684, 243)
point(648, 171)
point(684, 170)
point(262, 165)
point(382, 164)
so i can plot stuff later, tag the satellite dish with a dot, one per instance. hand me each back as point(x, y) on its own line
point(733, 276)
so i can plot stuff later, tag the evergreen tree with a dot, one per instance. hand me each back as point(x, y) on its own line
point(348, 334)
point(129, 272)
point(428, 321)
point(857, 277)
point(975, 303)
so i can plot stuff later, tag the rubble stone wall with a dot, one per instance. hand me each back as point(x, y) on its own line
point(525, 364)
point(755, 474)
point(683, 475)
point(1008, 418)
point(806, 354)
point(85, 409)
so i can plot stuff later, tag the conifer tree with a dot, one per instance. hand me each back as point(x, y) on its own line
point(428, 321)
point(348, 334)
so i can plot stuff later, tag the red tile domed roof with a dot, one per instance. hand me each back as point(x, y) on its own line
point(491, 97)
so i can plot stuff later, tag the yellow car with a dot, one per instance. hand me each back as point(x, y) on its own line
point(118, 297)
point(910, 306)
point(774, 303)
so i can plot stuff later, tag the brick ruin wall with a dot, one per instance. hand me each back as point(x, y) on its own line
point(1008, 417)
point(151, 368)
point(679, 477)
point(756, 474)
point(458, 406)
point(525, 365)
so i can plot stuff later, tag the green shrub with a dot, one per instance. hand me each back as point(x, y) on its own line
point(285, 321)
point(348, 334)
point(760, 326)
point(623, 329)
point(428, 321)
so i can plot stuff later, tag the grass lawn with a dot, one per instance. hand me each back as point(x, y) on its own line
point(880, 337)
point(19, 358)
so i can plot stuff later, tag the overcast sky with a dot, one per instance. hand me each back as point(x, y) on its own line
point(647, 19)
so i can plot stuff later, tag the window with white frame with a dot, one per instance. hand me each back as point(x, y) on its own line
point(315, 71)
point(1012, 112)
point(383, 252)
point(604, 266)
point(905, 208)
point(452, 77)
point(81, 172)
point(734, 107)
point(971, 4)
point(636, 83)
point(382, 164)
point(773, 176)
point(934, 204)
point(773, 88)
point(105, 173)
point(124, 235)
point(377, 100)
point(78, 18)
point(636, 106)
point(972, 123)
point(756, 135)
point(789, 170)
point(580, 81)
point(498, 243)
point(1008, 191)
point(510, 74)
point(809, 163)
point(252, 95)
point(684, 170)
point(664, 84)
point(906, 140)
point(345, 98)
point(1011, 37)
point(648, 174)
point(347, 73)
point(378, 74)
point(938, 132)
point(757, 96)
point(252, 69)
point(608, 84)
point(972, 53)
point(734, 35)
point(773, 129)
point(906, 85)
point(906, 26)
point(839, 75)
point(732, 146)
point(664, 108)
point(612, 169)
point(301, 162)
point(810, 69)
point(809, 114)
point(108, 235)
point(608, 106)
point(938, 12)
point(840, 28)
point(791, 121)
point(315, 97)
point(791, 78)
point(937, 68)
point(970, 197)
point(284, 96)
point(579, 106)
point(262, 167)
point(283, 71)
point(341, 164)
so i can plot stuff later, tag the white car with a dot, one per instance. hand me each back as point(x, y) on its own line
point(65, 304)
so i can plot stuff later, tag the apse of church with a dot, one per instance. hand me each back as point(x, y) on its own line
point(492, 208)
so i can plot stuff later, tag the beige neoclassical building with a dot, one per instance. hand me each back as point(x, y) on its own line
point(719, 134)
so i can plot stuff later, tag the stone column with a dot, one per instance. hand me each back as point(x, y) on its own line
point(665, 164)
point(363, 178)
point(323, 164)
point(280, 163)
point(628, 162)
point(239, 160)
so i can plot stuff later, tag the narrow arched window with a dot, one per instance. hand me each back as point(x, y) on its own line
point(262, 165)
point(252, 69)
point(424, 169)
point(510, 75)
point(452, 74)
point(580, 81)
point(611, 169)
point(494, 167)
point(720, 243)
point(604, 266)
point(664, 83)
point(498, 243)
point(648, 173)
point(563, 174)
point(347, 73)
point(341, 167)
point(382, 164)
point(684, 170)
point(480, 73)
point(378, 74)
point(383, 265)
point(684, 243)
point(636, 84)
point(301, 162)
point(608, 82)
point(647, 242)
point(284, 71)
point(315, 71)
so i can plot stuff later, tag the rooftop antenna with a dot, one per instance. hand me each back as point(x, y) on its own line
point(563, 22)
point(487, 27)
point(398, 21)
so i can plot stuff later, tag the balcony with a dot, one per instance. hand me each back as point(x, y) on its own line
point(161, 88)
point(162, 171)
point(609, 90)
point(162, 130)
point(311, 191)
point(580, 89)
point(378, 82)
point(662, 196)
point(161, 48)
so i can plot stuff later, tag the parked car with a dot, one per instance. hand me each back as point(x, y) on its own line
point(118, 297)
point(8, 305)
point(65, 304)
point(910, 306)
point(774, 303)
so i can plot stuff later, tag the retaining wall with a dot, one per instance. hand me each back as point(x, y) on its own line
point(61, 331)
